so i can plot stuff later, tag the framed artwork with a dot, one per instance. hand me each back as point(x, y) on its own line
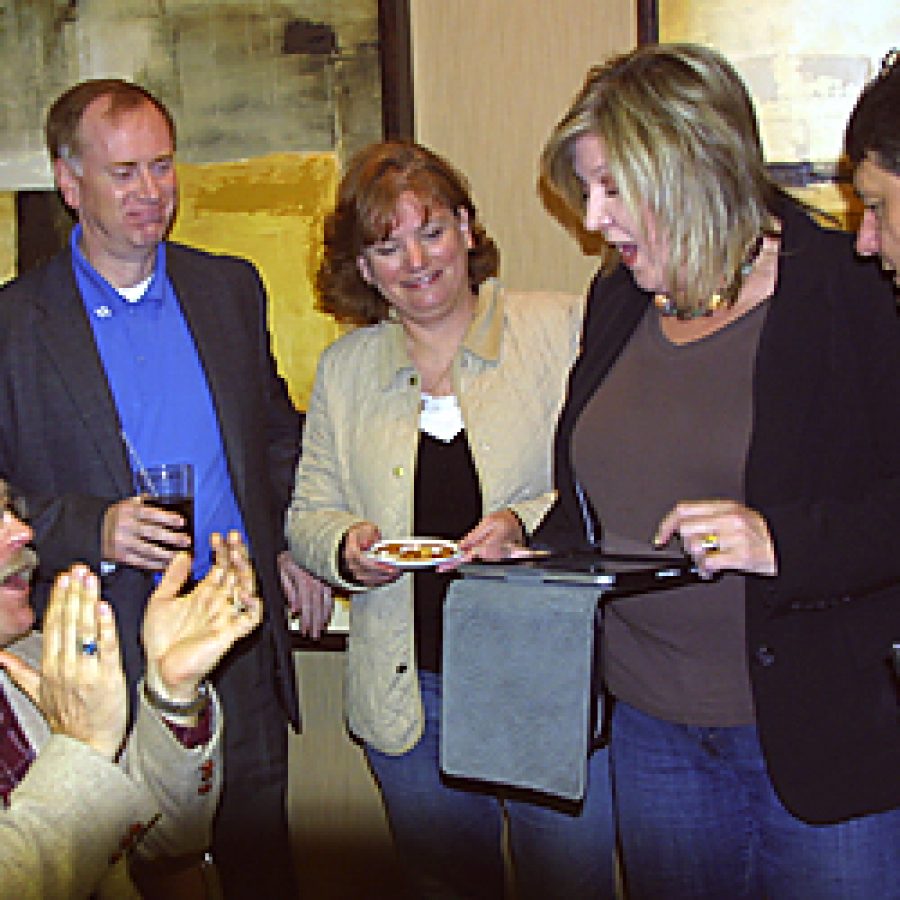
point(242, 80)
point(805, 64)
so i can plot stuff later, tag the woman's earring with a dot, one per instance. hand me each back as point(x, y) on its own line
point(365, 272)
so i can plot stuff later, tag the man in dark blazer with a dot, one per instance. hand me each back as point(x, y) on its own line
point(124, 344)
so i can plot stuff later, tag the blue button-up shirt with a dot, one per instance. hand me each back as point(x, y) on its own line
point(160, 390)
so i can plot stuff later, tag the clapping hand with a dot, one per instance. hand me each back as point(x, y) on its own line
point(185, 636)
point(80, 689)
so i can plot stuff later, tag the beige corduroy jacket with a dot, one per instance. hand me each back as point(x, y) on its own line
point(359, 458)
point(75, 817)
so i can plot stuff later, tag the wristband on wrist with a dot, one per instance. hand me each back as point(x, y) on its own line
point(178, 707)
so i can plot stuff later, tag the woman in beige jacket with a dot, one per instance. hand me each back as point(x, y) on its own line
point(435, 419)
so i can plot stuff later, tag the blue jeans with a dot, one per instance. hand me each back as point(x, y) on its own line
point(448, 831)
point(699, 818)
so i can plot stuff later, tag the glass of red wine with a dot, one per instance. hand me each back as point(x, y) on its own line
point(170, 486)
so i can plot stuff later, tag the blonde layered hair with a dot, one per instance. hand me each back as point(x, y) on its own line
point(683, 148)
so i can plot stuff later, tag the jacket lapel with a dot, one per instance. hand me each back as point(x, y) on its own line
point(33, 724)
point(787, 378)
point(68, 341)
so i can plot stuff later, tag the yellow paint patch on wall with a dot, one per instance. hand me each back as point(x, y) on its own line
point(8, 236)
point(270, 210)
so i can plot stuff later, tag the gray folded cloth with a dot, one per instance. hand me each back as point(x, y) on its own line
point(517, 683)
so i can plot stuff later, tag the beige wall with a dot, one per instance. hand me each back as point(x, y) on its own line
point(490, 78)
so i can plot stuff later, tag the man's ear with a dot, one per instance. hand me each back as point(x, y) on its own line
point(462, 214)
point(68, 182)
point(365, 270)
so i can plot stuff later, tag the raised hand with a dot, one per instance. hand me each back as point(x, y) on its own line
point(80, 688)
point(186, 636)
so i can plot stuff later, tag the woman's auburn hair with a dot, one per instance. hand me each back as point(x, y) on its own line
point(682, 145)
point(365, 213)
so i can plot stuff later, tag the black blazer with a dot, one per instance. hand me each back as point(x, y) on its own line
point(60, 441)
point(824, 470)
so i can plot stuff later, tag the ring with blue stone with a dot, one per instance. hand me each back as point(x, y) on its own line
point(88, 646)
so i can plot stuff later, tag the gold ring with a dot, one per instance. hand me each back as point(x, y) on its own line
point(710, 542)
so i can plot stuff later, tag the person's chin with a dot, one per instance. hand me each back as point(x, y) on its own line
point(149, 233)
point(646, 282)
point(148, 229)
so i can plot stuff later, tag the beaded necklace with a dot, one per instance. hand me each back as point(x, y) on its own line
point(667, 306)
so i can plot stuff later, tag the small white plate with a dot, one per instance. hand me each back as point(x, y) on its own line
point(414, 553)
